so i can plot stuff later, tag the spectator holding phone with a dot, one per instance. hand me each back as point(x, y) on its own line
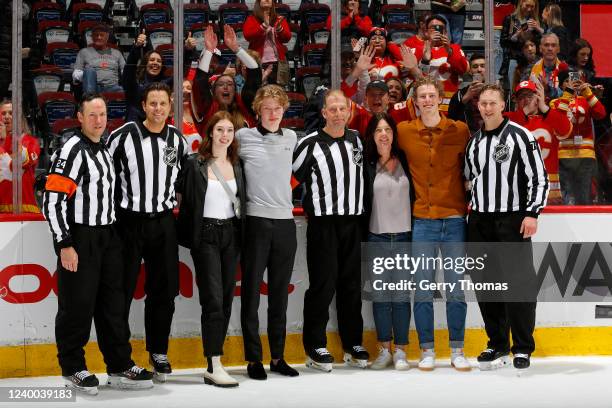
point(454, 12)
point(580, 59)
point(524, 20)
point(464, 103)
point(267, 34)
point(577, 160)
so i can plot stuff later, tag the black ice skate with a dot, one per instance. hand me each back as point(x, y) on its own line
point(493, 360)
point(320, 359)
point(161, 366)
point(136, 378)
point(83, 381)
point(357, 356)
point(521, 361)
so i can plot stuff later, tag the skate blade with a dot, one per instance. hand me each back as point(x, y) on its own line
point(127, 384)
point(352, 362)
point(159, 377)
point(208, 381)
point(495, 364)
point(327, 367)
point(86, 390)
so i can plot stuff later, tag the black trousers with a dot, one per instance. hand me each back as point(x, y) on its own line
point(501, 318)
point(333, 256)
point(216, 261)
point(270, 243)
point(154, 240)
point(95, 291)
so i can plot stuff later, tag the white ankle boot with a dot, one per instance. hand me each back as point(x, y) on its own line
point(219, 377)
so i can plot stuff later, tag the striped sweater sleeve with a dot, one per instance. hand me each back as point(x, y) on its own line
point(62, 182)
point(537, 178)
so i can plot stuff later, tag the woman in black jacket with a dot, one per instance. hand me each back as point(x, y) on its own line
point(389, 201)
point(210, 224)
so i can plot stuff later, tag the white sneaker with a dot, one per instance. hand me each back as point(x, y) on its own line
point(458, 360)
point(383, 360)
point(399, 360)
point(428, 360)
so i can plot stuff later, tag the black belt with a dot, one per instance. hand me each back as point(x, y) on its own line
point(128, 213)
point(218, 221)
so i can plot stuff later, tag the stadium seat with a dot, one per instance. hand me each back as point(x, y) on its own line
point(44, 11)
point(282, 10)
point(55, 106)
point(116, 105)
point(233, 13)
point(296, 124)
point(307, 79)
point(296, 105)
point(396, 14)
point(62, 54)
point(314, 54)
point(318, 33)
point(167, 54)
point(86, 12)
point(161, 33)
point(154, 14)
point(292, 44)
point(313, 14)
point(63, 126)
point(398, 33)
point(195, 13)
point(226, 57)
point(51, 31)
point(47, 78)
point(113, 124)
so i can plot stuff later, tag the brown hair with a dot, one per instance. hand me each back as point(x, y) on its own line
point(205, 149)
point(156, 86)
point(427, 80)
point(25, 128)
point(259, 13)
point(270, 91)
point(141, 69)
point(494, 88)
point(535, 16)
point(232, 108)
point(554, 15)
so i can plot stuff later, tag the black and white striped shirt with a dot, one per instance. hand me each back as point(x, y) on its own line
point(79, 188)
point(147, 166)
point(332, 170)
point(506, 170)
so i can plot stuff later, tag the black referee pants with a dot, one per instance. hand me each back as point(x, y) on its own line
point(216, 261)
point(154, 240)
point(501, 318)
point(95, 291)
point(333, 254)
point(270, 243)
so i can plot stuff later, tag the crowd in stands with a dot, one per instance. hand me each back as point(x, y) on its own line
point(119, 47)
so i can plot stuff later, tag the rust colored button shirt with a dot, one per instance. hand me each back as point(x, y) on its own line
point(435, 156)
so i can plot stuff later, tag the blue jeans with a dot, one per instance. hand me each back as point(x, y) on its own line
point(90, 83)
point(392, 319)
point(456, 23)
point(499, 52)
point(439, 231)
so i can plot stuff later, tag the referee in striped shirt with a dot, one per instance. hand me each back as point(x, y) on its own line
point(509, 189)
point(330, 163)
point(148, 156)
point(78, 204)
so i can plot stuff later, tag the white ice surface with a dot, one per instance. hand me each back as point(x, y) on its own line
point(559, 382)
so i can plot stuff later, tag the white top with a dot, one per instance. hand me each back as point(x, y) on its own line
point(216, 203)
point(391, 202)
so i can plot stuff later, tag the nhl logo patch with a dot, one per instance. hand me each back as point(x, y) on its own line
point(170, 156)
point(501, 153)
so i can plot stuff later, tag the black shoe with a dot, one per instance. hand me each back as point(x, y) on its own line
point(256, 371)
point(83, 381)
point(521, 361)
point(160, 363)
point(489, 355)
point(283, 368)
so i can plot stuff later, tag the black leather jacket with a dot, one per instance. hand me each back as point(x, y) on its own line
point(193, 185)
